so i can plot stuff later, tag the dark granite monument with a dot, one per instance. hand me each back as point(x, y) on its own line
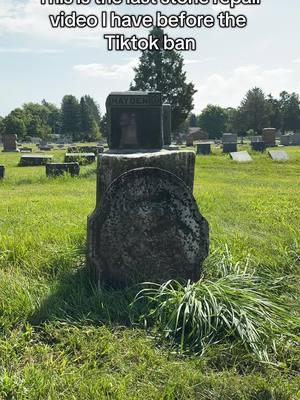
point(204, 148)
point(2, 171)
point(59, 169)
point(134, 120)
point(229, 148)
point(146, 224)
point(258, 144)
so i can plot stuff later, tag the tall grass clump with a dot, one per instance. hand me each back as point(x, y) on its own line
point(238, 308)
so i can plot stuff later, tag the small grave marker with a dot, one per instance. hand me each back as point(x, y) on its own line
point(278, 155)
point(35, 160)
point(241, 156)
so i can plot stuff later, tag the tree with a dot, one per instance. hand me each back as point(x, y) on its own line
point(162, 70)
point(213, 121)
point(193, 121)
point(14, 125)
point(274, 112)
point(254, 111)
point(290, 111)
point(70, 110)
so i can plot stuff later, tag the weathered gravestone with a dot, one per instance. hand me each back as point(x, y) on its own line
point(258, 144)
point(146, 224)
point(285, 140)
point(269, 137)
point(229, 138)
point(278, 155)
point(2, 171)
point(241, 156)
point(189, 141)
point(9, 143)
point(35, 160)
point(58, 169)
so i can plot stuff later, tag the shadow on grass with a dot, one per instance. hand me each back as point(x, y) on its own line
point(75, 298)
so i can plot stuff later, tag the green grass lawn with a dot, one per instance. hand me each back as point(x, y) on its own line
point(60, 338)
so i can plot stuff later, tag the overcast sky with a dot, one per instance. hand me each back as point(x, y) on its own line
point(38, 62)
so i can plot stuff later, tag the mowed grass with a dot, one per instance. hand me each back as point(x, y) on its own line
point(60, 338)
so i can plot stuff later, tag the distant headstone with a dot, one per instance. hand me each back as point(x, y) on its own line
point(35, 160)
point(285, 140)
point(9, 143)
point(241, 156)
point(229, 138)
point(81, 158)
point(58, 169)
point(258, 144)
point(204, 148)
point(189, 141)
point(145, 215)
point(295, 139)
point(47, 147)
point(257, 139)
point(2, 171)
point(135, 120)
point(269, 137)
point(279, 155)
point(167, 123)
point(229, 147)
point(26, 150)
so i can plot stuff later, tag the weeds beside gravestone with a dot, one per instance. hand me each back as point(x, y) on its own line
point(146, 225)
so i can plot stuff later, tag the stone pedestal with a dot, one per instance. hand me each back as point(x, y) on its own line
point(112, 164)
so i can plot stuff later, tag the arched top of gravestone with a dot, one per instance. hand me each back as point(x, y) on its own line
point(150, 229)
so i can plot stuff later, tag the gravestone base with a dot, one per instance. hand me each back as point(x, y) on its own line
point(114, 163)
